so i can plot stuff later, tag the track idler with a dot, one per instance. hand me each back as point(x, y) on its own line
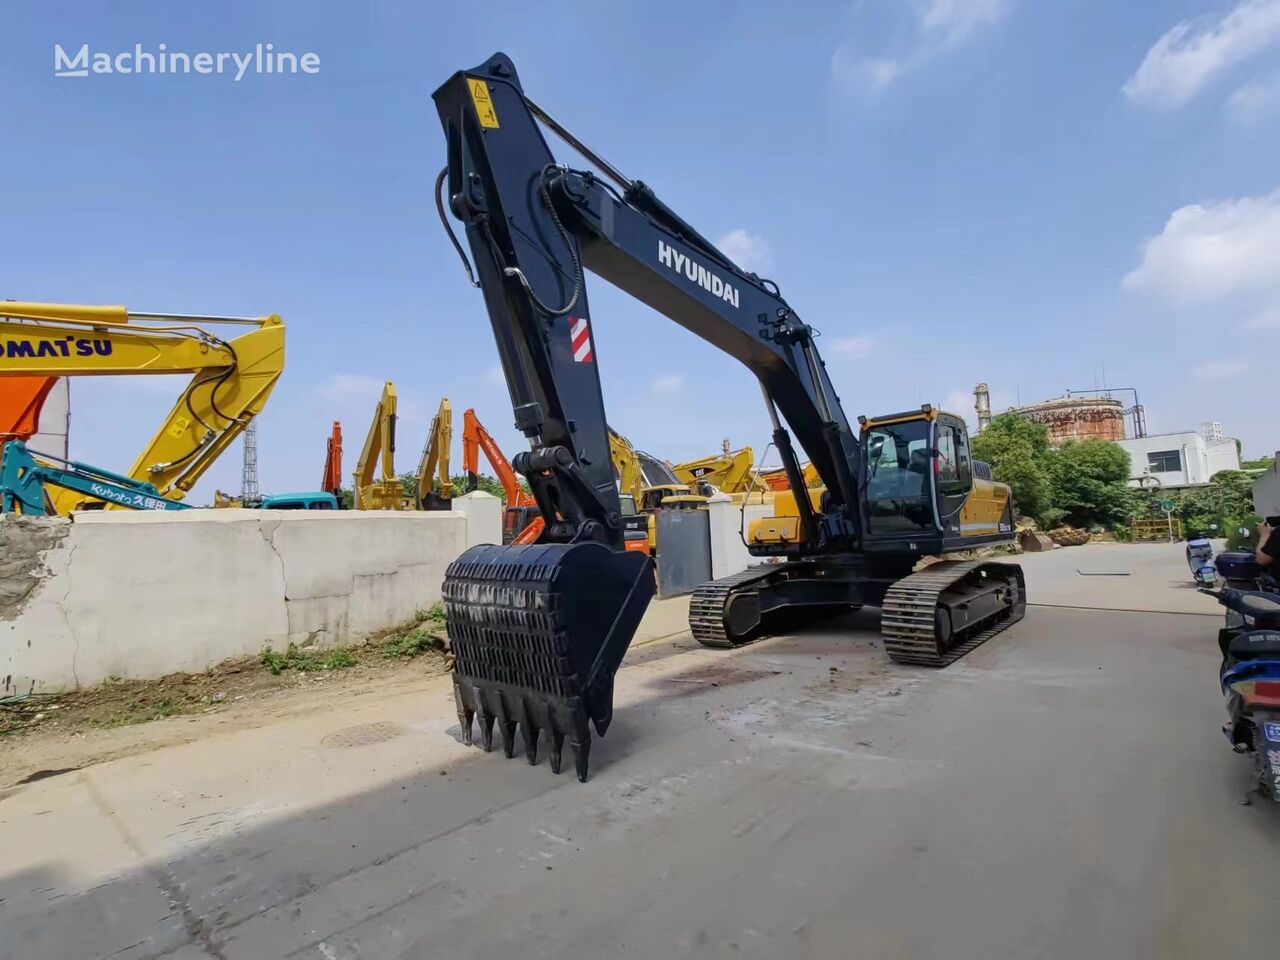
point(538, 633)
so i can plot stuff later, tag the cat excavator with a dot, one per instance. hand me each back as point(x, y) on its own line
point(731, 471)
point(232, 377)
point(538, 631)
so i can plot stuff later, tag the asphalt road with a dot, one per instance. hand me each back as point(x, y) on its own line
point(1062, 792)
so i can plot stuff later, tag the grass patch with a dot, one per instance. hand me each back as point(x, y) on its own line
point(304, 662)
point(426, 633)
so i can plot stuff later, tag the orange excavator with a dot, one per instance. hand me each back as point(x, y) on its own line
point(21, 399)
point(332, 482)
point(521, 521)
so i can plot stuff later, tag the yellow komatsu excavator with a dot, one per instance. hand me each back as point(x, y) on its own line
point(382, 490)
point(435, 488)
point(731, 471)
point(232, 377)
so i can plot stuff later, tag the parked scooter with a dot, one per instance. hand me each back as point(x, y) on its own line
point(1250, 678)
point(1200, 560)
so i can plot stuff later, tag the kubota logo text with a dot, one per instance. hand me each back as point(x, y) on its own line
point(718, 287)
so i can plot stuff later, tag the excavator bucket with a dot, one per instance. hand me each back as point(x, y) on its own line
point(538, 633)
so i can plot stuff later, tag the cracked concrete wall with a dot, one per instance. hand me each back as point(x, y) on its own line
point(143, 595)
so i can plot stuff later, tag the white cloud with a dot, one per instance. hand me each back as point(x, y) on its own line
point(1219, 369)
point(1255, 100)
point(666, 385)
point(1193, 52)
point(938, 25)
point(856, 347)
point(348, 386)
point(955, 21)
point(1267, 320)
point(1209, 251)
point(748, 250)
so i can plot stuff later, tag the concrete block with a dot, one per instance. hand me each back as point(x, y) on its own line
point(484, 516)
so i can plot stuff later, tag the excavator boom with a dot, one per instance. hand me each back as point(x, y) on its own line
point(231, 377)
point(332, 480)
point(374, 489)
point(435, 487)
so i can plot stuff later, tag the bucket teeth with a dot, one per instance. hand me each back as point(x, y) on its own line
point(557, 744)
point(530, 733)
point(537, 633)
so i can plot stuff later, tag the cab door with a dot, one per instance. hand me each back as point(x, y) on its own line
point(952, 472)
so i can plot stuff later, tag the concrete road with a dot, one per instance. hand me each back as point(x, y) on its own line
point(1062, 792)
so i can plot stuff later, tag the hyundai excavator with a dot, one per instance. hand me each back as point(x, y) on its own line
point(435, 486)
point(539, 631)
point(231, 378)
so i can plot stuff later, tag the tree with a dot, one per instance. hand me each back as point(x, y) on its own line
point(488, 484)
point(1018, 451)
point(1090, 483)
point(1227, 501)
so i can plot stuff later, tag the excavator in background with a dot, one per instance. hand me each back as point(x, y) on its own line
point(645, 486)
point(372, 490)
point(731, 471)
point(435, 487)
point(521, 522)
point(331, 481)
point(21, 400)
point(538, 631)
point(25, 483)
point(231, 379)
point(776, 479)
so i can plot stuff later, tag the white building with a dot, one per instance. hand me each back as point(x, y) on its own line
point(1211, 430)
point(1179, 459)
point(1266, 491)
point(55, 419)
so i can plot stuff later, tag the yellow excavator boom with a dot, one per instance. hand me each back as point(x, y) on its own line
point(384, 492)
point(231, 378)
point(434, 463)
point(730, 471)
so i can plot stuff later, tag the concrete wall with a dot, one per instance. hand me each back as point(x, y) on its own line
point(484, 516)
point(146, 594)
point(728, 552)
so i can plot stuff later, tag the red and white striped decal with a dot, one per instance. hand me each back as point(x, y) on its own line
point(580, 339)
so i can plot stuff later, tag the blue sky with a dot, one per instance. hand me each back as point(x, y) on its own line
point(950, 190)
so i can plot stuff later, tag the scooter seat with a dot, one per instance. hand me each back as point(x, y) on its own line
point(1253, 644)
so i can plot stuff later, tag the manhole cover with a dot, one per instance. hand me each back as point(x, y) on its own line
point(363, 734)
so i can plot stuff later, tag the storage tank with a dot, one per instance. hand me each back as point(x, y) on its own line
point(1078, 418)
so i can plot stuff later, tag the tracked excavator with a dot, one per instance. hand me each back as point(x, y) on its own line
point(539, 631)
point(331, 481)
point(232, 377)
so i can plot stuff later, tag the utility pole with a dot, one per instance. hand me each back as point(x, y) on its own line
point(249, 475)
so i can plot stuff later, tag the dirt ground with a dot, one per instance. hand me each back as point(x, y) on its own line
point(45, 735)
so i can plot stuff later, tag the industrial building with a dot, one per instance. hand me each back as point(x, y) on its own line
point(1179, 459)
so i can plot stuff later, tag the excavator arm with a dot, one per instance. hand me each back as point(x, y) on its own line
point(731, 471)
point(376, 489)
point(231, 377)
point(433, 466)
point(535, 227)
point(332, 480)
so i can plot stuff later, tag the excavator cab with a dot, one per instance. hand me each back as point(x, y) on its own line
point(923, 485)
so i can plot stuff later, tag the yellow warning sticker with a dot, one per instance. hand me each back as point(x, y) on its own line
point(484, 106)
point(179, 427)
